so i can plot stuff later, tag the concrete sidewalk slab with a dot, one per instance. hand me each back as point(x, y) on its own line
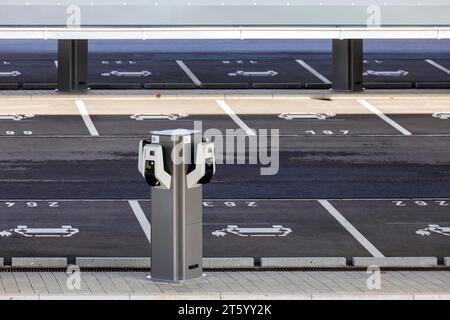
point(248, 285)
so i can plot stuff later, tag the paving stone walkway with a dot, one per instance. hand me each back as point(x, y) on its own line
point(228, 285)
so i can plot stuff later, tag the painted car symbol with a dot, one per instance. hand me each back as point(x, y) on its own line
point(434, 228)
point(398, 73)
point(157, 116)
point(15, 117)
point(63, 232)
point(269, 73)
point(11, 74)
point(274, 231)
point(442, 115)
point(127, 74)
point(318, 116)
point(5, 233)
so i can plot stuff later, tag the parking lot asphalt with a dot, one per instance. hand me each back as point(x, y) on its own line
point(291, 73)
point(388, 179)
point(232, 228)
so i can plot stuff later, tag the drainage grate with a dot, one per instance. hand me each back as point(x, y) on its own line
point(243, 269)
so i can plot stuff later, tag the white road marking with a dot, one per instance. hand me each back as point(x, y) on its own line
point(142, 219)
point(86, 118)
point(318, 75)
point(351, 229)
point(224, 200)
point(225, 107)
point(437, 65)
point(381, 115)
point(189, 73)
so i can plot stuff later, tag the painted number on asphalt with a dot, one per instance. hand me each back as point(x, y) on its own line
point(32, 204)
point(327, 132)
point(441, 203)
point(230, 204)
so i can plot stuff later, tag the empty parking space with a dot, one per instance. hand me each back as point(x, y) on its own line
point(257, 228)
point(28, 71)
point(275, 228)
point(311, 117)
point(70, 229)
point(142, 117)
point(40, 118)
point(399, 228)
point(385, 71)
point(402, 71)
point(419, 116)
point(250, 72)
point(150, 72)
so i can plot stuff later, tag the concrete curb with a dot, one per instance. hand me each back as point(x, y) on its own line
point(432, 296)
point(121, 262)
point(447, 261)
point(265, 296)
point(178, 296)
point(395, 261)
point(84, 297)
point(228, 262)
point(362, 296)
point(39, 262)
point(232, 262)
point(303, 262)
point(107, 262)
point(171, 94)
point(237, 296)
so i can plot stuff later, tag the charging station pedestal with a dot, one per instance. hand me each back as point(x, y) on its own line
point(176, 163)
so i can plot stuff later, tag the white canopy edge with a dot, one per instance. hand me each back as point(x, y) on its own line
point(122, 33)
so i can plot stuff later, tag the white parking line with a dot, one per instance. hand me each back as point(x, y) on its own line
point(318, 75)
point(380, 114)
point(142, 219)
point(437, 65)
point(351, 229)
point(86, 118)
point(235, 117)
point(189, 73)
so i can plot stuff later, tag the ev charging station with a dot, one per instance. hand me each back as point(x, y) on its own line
point(176, 163)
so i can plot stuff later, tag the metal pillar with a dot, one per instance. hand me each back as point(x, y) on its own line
point(348, 65)
point(72, 65)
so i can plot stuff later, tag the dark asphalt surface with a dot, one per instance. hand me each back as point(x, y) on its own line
point(109, 228)
point(215, 64)
point(222, 73)
point(347, 157)
point(56, 159)
point(49, 165)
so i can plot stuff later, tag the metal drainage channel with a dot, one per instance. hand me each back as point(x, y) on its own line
point(246, 269)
